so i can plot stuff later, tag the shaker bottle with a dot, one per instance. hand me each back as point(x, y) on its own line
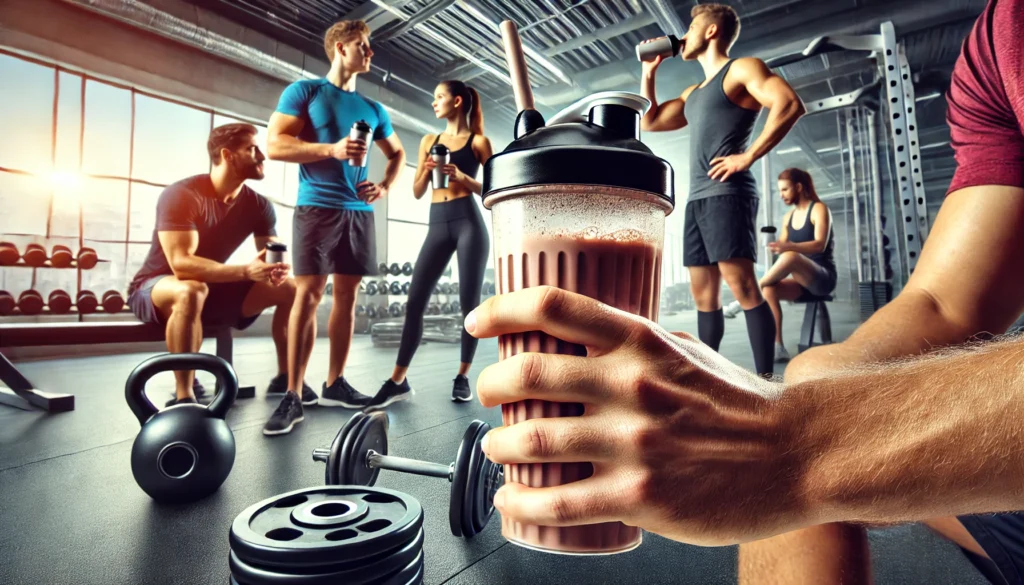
point(439, 154)
point(360, 131)
point(275, 252)
point(667, 47)
point(579, 204)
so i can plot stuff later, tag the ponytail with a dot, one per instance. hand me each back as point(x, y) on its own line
point(801, 177)
point(470, 104)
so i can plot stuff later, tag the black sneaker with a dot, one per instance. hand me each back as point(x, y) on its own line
point(279, 385)
point(460, 389)
point(198, 390)
point(174, 401)
point(284, 418)
point(341, 393)
point(390, 393)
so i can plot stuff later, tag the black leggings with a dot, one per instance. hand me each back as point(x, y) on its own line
point(454, 226)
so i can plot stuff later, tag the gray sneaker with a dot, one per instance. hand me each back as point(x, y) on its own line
point(284, 419)
point(460, 389)
point(781, 355)
point(732, 310)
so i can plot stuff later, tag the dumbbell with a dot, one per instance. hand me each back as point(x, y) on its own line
point(86, 302)
point(446, 288)
point(395, 269)
point(9, 254)
point(60, 256)
point(371, 288)
point(87, 258)
point(112, 301)
point(371, 311)
point(383, 287)
point(437, 289)
point(7, 303)
point(382, 269)
point(405, 288)
point(456, 307)
point(382, 310)
point(35, 255)
point(30, 302)
point(405, 309)
point(396, 288)
point(407, 269)
point(395, 310)
point(360, 310)
point(433, 309)
point(454, 288)
point(59, 302)
point(446, 309)
point(360, 451)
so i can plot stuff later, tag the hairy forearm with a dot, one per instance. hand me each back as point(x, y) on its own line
point(190, 267)
point(288, 148)
point(647, 89)
point(781, 120)
point(937, 435)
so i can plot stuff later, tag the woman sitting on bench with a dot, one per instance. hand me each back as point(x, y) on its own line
point(804, 267)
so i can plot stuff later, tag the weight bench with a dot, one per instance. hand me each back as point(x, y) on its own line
point(20, 393)
point(816, 313)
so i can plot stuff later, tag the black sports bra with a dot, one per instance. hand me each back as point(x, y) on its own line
point(464, 158)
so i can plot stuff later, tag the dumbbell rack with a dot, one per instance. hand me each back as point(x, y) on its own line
point(48, 263)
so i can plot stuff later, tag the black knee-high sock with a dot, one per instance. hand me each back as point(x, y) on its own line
point(761, 330)
point(711, 327)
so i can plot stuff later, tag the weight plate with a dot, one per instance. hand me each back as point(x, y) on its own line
point(274, 532)
point(490, 477)
point(380, 568)
point(331, 473)
point(411, 574)
point(461, 477)
point(370, 431)
point(474, 514)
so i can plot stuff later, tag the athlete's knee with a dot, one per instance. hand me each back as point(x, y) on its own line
point(189, 297)
point(743, 286)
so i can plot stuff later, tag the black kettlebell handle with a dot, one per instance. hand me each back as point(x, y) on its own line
point(135, 387)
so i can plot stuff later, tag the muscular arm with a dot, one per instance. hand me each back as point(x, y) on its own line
point(180, 249)
point(422, 178)
point(283, 142)
point(822, 224)
point(773, 93)
point(661, 117)
point(967, 281)
point(391, 148)
point(913, 450)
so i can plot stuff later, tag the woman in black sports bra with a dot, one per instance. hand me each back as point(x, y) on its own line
point(805, 265)
point(456, 226)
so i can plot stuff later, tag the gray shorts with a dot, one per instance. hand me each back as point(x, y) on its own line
point(223, 306)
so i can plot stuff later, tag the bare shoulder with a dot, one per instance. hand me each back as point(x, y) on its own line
point(747, 68)
point(821, 211)
point(482, 146)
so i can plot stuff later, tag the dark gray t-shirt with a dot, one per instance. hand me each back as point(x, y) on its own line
point(718, 127)
point(192, 204)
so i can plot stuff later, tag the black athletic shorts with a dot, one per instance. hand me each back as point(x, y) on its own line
point(223, 306)
point(333, 241)
point(1002, 538)
point(719, 228)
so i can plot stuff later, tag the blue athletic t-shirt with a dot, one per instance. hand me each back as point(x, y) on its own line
point(329, 113)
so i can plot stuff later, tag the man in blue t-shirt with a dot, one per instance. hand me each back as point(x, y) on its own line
point(333, 222)
point(185, 284)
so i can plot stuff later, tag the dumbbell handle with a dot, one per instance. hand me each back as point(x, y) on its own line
point(376, 460)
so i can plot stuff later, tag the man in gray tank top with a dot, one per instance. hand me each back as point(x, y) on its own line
point(720, 233)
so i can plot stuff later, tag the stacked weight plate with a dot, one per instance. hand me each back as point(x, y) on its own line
point(326, 535)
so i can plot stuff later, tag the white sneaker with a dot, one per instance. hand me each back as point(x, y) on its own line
point(732, 310)
point(781, 355)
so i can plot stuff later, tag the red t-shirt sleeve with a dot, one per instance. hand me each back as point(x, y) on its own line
point(986, 100)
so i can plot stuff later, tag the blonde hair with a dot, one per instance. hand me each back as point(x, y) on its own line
point(342, 32)
point(724, 17)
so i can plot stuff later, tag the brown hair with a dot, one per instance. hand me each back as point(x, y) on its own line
point(342, 32)
point(229, 136)
point(801, 177)
point(724, 17)
point(470, 104)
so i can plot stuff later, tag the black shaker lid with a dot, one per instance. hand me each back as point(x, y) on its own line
point(439, 149)
point(595, 141)
point(362, 126)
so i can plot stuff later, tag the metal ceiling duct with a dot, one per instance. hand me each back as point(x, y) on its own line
point(167, 25)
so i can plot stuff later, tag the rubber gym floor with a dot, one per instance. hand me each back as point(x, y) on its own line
point(72, 513)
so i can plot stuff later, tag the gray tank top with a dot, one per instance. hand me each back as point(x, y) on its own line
point(718, 127)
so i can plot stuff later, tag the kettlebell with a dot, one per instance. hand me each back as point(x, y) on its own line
point(185, 452)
